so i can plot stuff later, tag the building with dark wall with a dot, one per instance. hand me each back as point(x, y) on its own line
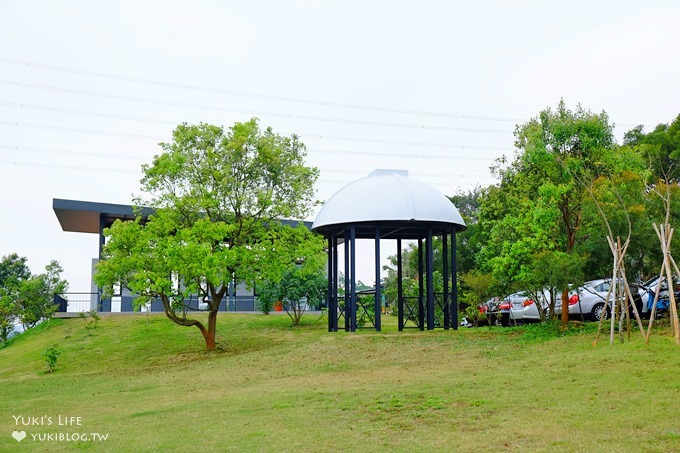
point(93, 217)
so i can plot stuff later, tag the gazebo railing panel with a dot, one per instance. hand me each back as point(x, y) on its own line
point(440, 312)
point(365, 310)
point(411, 312)
point(340, 314)
point(441, 307)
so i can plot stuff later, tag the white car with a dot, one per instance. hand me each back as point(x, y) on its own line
point(525, 305)
point(521, 306)
point(589, 299)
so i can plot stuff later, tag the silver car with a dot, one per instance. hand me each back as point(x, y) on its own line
point(521, 307)
point(589, 299)
point(525, 305)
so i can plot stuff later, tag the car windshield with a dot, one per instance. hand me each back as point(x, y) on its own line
point(602, 287)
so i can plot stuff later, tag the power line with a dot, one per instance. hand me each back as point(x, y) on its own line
point(406, 143)
point(128, 171)
point(130, 157)
point(84, 112)
point(310, 150)
point(65, 167)
point(308, 135)
point(231, 110)
point(36, 149)
point(77, 130)
point(417, 174)
point(391, 154)
point(342, 105)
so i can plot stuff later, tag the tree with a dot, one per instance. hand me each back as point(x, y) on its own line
point(13, 271)
point(220, 197)
point(36, 295)
point(478, 285)
point(298, 287)
point(555, 150)
point(550, 271)
point(470, 241)
point(660, 148)
point(24, 297)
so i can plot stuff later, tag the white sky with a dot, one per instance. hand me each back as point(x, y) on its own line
point(88, 89)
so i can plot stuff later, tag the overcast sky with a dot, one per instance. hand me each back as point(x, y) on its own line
point(88, 89)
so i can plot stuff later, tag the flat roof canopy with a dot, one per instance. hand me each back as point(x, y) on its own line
point(85, 216)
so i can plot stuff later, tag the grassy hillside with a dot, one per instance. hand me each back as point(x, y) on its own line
point(150, 386)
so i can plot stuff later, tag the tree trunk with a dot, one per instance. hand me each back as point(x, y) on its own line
point(565, 306)
point(211, 332)
point(208, 334)
point(571, 240)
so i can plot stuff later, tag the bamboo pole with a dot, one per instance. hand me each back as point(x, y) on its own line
point(665, 236)
point(652, 315)
point(657, 292)
point(613, 291)
point(606, 301)
point(635, 311)
point(623, 296)
point(675, 320)
point(620, 293)
point(671, 292)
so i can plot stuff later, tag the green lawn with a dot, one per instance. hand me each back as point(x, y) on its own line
point(150, 386)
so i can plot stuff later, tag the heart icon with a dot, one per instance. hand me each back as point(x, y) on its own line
point(19, 435)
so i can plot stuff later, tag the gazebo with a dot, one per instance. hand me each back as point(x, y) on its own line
point(389, 205)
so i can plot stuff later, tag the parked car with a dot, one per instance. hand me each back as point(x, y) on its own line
point(514, 307)
point(648, 290)
point(589, 299)
point(530, 311)
point(491, 308)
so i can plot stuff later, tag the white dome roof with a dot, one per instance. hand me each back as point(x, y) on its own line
point(387, 195)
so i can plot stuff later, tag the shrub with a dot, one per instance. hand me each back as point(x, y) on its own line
point(51, 355)
point(92, 319)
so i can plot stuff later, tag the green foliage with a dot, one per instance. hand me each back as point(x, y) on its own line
point(8, 313)
point(26, 298)
point(660, 148)
point(13, 271)
point(265, 302)
point(533, 220)
point(36, 295)
point(51, 355)
point(471, 240)
point(477, 288)
point(544, 225)
point(299, 286)
point(219, 196)
point(91, 318)
point(617, 207)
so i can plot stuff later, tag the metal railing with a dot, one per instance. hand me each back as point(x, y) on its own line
point(76, 302)
point(83, 302)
